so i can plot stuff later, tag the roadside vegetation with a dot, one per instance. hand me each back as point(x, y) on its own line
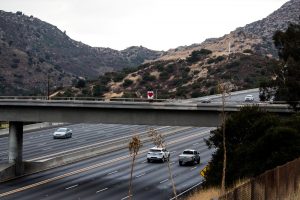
point(286, 85)
point(256, 141)
point(159, 141)
point(134, 146)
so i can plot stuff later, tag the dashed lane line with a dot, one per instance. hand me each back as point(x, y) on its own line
point(90, 167)
point(73, 186)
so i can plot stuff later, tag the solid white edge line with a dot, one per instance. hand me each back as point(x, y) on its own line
point(102, 190)
point(125, 197)
point(187, 190)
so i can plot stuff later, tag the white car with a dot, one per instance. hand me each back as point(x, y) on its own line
point(158, 154)
point(249, 98)
point(62, 133)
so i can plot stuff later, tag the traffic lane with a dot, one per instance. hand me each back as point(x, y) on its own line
point(237, 98)
point(104, 142)
point(80, 138)
point(103, 158)
point(70, 184)
point(114, 184)
point(40, 143)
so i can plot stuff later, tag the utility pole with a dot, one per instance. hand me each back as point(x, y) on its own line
point(48, 87)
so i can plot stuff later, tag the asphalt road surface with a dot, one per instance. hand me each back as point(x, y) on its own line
point(107, 176)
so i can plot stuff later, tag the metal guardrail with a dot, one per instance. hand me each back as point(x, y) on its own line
point(95, 99)
point(84, 99)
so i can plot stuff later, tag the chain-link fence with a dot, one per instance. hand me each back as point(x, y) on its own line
point(276, 184)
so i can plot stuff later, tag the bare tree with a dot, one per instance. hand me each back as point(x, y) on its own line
point(158, 140)
point(134, 147)
point(223, 89)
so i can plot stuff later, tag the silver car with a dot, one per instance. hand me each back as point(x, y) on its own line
point(62, 133)
point(189, 156)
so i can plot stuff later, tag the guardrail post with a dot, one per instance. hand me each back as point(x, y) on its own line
point(15, 146)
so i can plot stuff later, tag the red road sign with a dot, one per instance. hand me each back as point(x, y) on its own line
point(150, 94)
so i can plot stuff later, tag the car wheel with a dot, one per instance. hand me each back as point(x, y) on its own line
point(148, 160)
point(180, 163)
point(70, 135)
point(198, 161)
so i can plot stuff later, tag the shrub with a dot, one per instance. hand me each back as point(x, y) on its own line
point(14, 65)
point(80, 83)
point(148, 77)
point(127, 82)
point(198, 55)
point(248, 51)
point(164, 76)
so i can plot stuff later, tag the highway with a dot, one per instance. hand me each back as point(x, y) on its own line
point(107, 176)
point(40, 143)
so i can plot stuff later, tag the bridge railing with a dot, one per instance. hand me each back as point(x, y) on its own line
point(85, 99)
point(129, 100)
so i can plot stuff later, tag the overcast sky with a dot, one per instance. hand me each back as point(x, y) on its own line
point(155, 24)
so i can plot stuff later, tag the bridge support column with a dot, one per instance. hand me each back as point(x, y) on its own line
point(15, 146)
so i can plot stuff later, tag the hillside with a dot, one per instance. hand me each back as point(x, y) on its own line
point(24, 74)
point(241, 59)
point(38, 40)
point(256, 36)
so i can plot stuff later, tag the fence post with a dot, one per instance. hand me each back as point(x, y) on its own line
point(252, 189)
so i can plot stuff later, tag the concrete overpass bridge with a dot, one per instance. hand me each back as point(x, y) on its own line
point(18, 111)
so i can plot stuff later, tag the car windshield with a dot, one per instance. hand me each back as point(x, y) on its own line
point(155, 150)
point(61, 130)
point(188, 152)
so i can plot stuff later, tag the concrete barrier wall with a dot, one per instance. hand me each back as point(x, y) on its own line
point(7, 172)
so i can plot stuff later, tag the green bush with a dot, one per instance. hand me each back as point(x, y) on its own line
point(148, 77)
point(127, 82)
point(248, 51)
point(256, 141)
point(198, 55)
point(163, 76)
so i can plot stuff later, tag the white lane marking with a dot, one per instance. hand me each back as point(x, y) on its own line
point(110, 173)
point(178, 195)
point(140, 175)
point(126, 197)
point(171, 163)
point(73, 186)
point(195, 144)
point(144, 161)
point(45, 149)
point(193, 168)
point(173, 152)
point(164, 180)
point(102, 190)
point(42, 144)
point(94, 166)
